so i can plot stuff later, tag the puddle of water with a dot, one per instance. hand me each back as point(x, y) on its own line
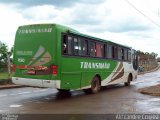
point(15, 106)
point(39, 102)
point(47, 98)
point(155, 109)
point(154, 100)
point(149, 101)
point(2, 111)
point(149, 105)
point(3, 95)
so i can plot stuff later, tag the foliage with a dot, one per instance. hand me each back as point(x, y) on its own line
point(3, 75)
point(146, 55)
point(3, 54)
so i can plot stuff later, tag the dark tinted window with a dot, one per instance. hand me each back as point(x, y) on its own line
point(99, 50)
point(67, 45)
point(114, 52)
point(109, 51)
point(92, 49)
point(84, 44)
point(125, 54)
point(77, 46)
point(120, 53)
point(129, 55)
point(81, 46)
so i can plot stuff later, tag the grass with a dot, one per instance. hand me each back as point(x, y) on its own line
point(3, 75)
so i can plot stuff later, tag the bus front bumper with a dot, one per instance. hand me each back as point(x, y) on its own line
point(36, 82)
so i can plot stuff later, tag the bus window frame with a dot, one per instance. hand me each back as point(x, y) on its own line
point(105, 47)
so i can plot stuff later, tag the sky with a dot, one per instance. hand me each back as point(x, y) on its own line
point(135, 23)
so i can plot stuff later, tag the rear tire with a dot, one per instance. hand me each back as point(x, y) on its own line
point(87, 91)
point(95, 86)
point(128, 83)
point(63, 90)
point(62, 93)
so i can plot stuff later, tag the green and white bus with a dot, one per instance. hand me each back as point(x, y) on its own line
point(52, 55)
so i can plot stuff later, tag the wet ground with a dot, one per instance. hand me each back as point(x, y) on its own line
point(112, 99)
point(152, 90)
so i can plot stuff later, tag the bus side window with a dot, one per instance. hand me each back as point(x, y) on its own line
point(109, 51)
point(76, 46)
point(105, 50)
point(84, 44)
point(120, 53)
point(113, 52)
point(67, 45)
point(64, 44)
point(99, 50)
point(125, 55)
point(129, 55)
point(92, 49)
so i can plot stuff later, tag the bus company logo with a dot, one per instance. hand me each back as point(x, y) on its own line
point(92, 65)
point(24, 52)
point(38, 30)
point(21, 60)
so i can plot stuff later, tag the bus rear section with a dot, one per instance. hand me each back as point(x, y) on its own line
point(34, 55)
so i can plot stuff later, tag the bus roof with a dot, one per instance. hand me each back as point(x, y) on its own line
point(49, 24)
point(72, 31)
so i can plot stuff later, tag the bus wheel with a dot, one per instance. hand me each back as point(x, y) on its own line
point(63, 91)
point(63, 94)
point(95, 86)
point(128, 81)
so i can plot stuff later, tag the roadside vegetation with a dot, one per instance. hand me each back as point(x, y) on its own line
point(5, 61)
point(3, 76)
point(147, 61)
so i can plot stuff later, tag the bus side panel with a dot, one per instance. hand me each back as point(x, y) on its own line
point(105, 73)
point(70, 73)
point(86, 80)
point(71, 80)
point(108, 73)
point(76, 75)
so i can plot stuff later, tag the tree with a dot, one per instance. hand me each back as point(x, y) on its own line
point(154, 54)
point(5, 60)
point(4, 53)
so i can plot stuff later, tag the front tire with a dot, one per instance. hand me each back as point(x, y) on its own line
point(95, 86)
point(128, 83)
